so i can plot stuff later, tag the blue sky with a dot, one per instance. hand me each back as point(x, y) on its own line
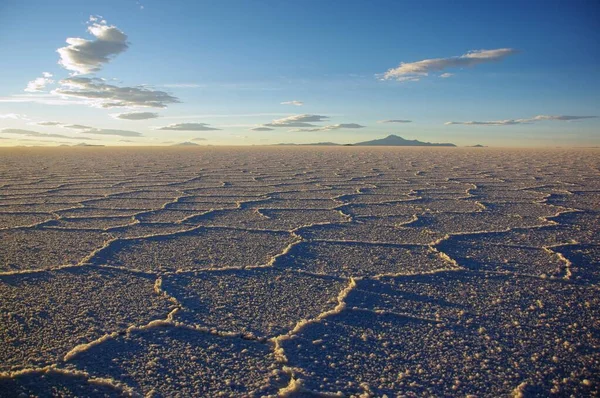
point(502, 73)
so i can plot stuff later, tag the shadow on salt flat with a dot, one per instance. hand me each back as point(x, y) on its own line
point(170, 361)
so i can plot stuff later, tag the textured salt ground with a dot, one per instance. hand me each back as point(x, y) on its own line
point(274, 300)
point(378, 270)
point(269, 219)
point(168, 361)
point(12, 220)
point(375, 230)
point(483, 256)
point(38, 248)
point(55, 383)
point(46, 314)
point(362, 259)
point(204, 248)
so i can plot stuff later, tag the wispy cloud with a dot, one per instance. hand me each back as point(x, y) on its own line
point(199, 139)
point(121, 133)
point(105, 95)
point(446, 75)
point(261, 129)
point(31, 133)
point(562, 117)
point(135, 115)
point(294, 102)
point(332, 127)
point(304, 120)
point(15, 116)
point(40, 83)
point(415, 70)
point(188, 127)
point(86, 56)
point(507, 122)
point(77, 126)
point(395, 121)
point(49, 123)
point(511, 122)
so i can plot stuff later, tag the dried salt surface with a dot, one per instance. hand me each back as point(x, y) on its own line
point(374, 230)
point(173, 361)
point(97, 223)
point(141, 230)
point(299, 271)
point(483, 256)
point(204, 248)
point(57, 383)
point(12, 220)
point(273, 300)
point(38, 248)
point(269, 219)
point(484, 221)
point(353, 259)
point(44, 315)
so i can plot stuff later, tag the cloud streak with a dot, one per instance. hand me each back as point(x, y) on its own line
point(120, 133)
point(303, 120)
point(395, 121)
point(415, 70)
point(294, 102)
point(136, 115)
point(188, 127)
point(512, 122)
point(332, 127)
point(83, 56)
point(105, 95)
point(261, 129)
point(31, 133)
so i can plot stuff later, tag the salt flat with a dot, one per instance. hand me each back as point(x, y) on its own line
point(299, 271)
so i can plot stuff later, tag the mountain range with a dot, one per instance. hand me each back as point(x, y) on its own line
point(390, 140)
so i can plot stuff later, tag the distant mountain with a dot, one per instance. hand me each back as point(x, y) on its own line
point(394, 140)
point(478, 146)
point(322, 144)
point(186, 143)
point(390, 140)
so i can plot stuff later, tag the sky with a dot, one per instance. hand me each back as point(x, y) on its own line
point(249, 72)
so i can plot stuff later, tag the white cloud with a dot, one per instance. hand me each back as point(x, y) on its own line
point(414, 70)
point(332, 127)
point(511, 122)
point(40, 83)
point(297, 121)
point(15, 116)
point(121, 133)
point(135, 115)
point(86, 56)
point(105, 95)
point(262, 129)
point(294, 102)
point(395, 121)
point(446, 75)
point(198, 139)
point(188, 127)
